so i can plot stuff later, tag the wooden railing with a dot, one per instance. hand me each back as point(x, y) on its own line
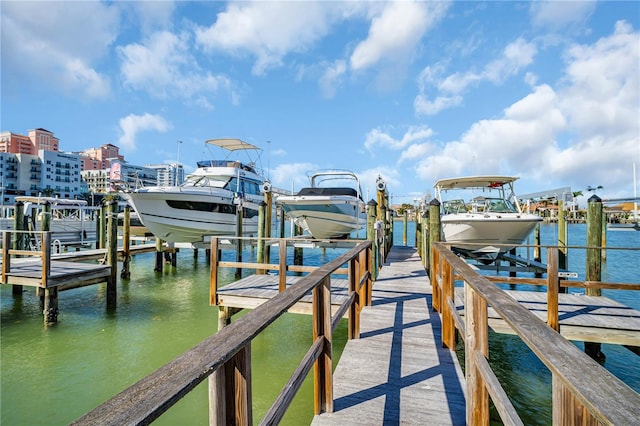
point(44, 253)
point(578, 398)
point(227, 354)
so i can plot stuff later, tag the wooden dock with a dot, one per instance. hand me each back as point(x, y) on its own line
point(583, 318)
point(417, 381)
point(254, 290)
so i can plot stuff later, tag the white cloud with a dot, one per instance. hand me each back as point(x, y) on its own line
point(55, 44)
point(585, 132)
point(378, 137)
point(163, 67)
point(396, 32)
point(602, 88)
point(292, 176)
point(268, 31)
point(133, 124)
point(332, 78)
point(558, 14)
point(516, 56)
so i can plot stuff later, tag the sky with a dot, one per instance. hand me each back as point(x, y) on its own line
point(409, 91)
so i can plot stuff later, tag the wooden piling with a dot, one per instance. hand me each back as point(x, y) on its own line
point(563, 240)
point(371, 236)
point(18, 243)
point(434, 228)
point(268, 210)
point(404, 228)
point(112, 254)
point(126, 238)
point(230, 385)
point(536, 249)
point(594, 261)
point(102, 226)
point(238, 273)
point(297, 251)
point(159, 264)
point(426, 250)
point(261, 235)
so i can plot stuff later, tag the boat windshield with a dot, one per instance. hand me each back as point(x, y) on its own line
point(454, 206)
point(205, 181)
point(499, 205)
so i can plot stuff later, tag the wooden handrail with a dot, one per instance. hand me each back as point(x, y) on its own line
point(44, 253)
point(598, 396)
point(151, 396)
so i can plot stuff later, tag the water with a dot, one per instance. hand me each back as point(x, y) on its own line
point(51, 376)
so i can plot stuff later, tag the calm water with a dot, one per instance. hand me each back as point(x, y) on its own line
point(51, 376)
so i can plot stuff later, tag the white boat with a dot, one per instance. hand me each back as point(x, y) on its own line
point(331, 208)
point(207, 202)
point(72, 221)
point(492, 224)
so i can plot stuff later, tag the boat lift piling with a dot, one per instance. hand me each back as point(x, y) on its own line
point(126, 256)
point(594, 262)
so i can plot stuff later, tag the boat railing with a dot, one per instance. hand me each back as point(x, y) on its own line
point(597, 397)
point(225, 358)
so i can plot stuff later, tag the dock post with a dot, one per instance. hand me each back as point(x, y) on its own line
point(417, 219)
point(297, 251)
point(426, 250)
point(434, 228)
point(604, 237)
point(18, 242)
point(238, 203)
point(45, 223)
point(434, 236)
point(261, 235)
point(268, 219)
point(102, 225)
point(282, 219)
point(126, 231)
point(404, 228)
point(159, 262)
point(536, 249)
point(371, 235)
point(385, 237)
point(50, 308)
point(112, 254)
point(230, 385)
point(563, 239)
point(594, 262)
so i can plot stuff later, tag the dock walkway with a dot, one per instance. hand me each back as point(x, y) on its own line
point(397, 372)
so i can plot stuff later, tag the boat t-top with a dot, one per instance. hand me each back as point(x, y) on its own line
point(488, 225)
point(331, 208)
point(207, 202)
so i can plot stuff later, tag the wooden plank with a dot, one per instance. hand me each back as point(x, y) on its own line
point(415, 380)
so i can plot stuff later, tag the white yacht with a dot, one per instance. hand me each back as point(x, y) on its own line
point(207, 202)
point(72, 221)
point(488, 226)
point(331, 208)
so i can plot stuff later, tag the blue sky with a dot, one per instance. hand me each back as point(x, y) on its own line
point(411, 91)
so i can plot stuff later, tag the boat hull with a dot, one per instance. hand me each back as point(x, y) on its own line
point(481, 235)
point(180, 216)
point(325, 217)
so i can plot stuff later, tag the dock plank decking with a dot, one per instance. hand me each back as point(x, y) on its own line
point(581, 317)
point(397, 372)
